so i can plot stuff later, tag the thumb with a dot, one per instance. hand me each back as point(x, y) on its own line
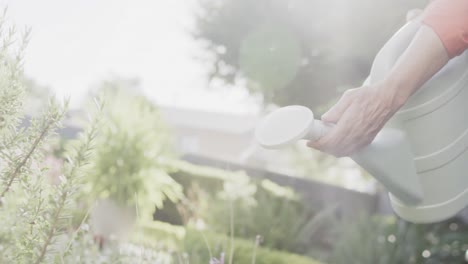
point(334, 114)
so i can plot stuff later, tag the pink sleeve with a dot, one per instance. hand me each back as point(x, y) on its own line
point(449, 20)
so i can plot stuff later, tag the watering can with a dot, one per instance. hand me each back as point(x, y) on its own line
point(420, 156)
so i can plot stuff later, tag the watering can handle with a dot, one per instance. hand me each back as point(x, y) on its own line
point(318, 130)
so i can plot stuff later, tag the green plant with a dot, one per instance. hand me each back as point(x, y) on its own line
point(157, 234)
point(260, 208)
point(85, 250)
point(200, 185)
point(274, 212)
point(34, 212)
point(198, 251)
point(131, 144)
point(198, 247)
point(387, 240)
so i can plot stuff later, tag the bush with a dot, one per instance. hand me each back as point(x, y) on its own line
point(200, 185)
point(387, 240)
point(260, 207)
point(35, 209)
point(159, 235)
point(126, 165)
point(274, 212)
point(278, 218)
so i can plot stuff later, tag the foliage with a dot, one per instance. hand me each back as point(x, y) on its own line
point(84, 249)
point(132, 141)
point(36, 95)
point(156, 234)
point(202, 246)
point(272, 211)
point(200, 185)
point(200, 172)
point(389, 240)
point(258, 207)
point(296, 51)
point(36, 204)
point(34, 210)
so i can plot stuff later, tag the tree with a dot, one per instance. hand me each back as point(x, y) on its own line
point(297, 51)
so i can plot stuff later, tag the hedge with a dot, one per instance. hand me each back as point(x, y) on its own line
point(194, 243)
point(198, 252)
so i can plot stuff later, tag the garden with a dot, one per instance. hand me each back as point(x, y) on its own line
point(111, 180)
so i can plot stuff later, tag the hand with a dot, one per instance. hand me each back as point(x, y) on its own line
point(359, 115)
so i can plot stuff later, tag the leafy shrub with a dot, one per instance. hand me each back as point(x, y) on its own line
point(130, 145)
point(258, 208)
point(34, 211)
point(272, 211)
point(157, 234)
point(200, 185)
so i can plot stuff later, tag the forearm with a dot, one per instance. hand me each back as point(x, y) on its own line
point(444, 35)
point(424, 57)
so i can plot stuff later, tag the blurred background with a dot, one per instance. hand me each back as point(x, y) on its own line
point(186, 81)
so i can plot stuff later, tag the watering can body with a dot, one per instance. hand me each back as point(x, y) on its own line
point(420, 155)
point(434, 123)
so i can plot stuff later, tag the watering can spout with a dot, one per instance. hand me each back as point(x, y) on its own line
point(390, 160)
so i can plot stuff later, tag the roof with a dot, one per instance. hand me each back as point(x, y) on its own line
point(205, 120)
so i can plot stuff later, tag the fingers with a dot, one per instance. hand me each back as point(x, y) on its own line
point(335, 113)
point(314, 144)
point(328, 142)
point(332, 116)
point(359, 115)
point(338, 141)
point(333, 143)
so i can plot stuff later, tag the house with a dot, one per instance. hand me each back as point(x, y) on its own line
point(223, 136)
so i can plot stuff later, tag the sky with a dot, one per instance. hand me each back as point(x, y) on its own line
point(76, 44)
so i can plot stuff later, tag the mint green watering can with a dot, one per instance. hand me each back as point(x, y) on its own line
point(421, 155)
